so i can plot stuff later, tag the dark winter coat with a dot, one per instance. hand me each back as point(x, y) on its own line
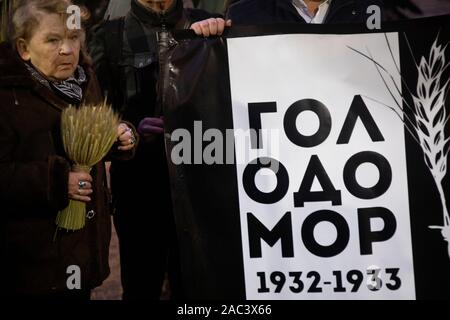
point(255, 12)
point(34, 187)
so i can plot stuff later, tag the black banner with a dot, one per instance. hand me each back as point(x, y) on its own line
point(353, 204)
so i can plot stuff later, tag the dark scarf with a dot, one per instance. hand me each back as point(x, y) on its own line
point(148, 17)
point(70, 89)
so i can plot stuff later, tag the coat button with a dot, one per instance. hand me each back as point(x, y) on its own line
point(354, 12)
point(90, 214)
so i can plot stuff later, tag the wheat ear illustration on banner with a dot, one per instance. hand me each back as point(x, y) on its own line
point(427, 116)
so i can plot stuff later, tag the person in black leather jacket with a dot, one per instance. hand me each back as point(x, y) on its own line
point(125, 56)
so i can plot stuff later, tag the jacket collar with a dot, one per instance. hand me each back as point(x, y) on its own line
point(288, 6)
point(12, 70)
point(14, 74)
point(335, 6)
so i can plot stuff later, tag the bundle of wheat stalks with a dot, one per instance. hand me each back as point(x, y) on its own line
point(88, 133)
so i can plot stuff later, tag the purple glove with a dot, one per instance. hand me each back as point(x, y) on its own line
point(151, 126)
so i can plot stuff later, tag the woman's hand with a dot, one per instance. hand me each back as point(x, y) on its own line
point(126, 138)
point(80, 186)
point(210, 27)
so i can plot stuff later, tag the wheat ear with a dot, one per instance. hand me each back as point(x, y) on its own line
point(429, 117)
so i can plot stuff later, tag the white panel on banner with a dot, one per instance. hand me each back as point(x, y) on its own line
point(325, 262)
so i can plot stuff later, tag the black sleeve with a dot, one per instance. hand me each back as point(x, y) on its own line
point(30, 184)
point(195, 15)
point(244, 12)
point(102, 59)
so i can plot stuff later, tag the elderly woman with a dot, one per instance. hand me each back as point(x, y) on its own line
point(42, 71)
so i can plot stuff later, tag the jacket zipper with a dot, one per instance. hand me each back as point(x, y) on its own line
point(16, 102)
point(163, 44)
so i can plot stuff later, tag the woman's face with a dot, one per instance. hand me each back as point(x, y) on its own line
point(53, 49)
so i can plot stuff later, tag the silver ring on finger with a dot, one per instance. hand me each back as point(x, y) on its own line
point(82, 184)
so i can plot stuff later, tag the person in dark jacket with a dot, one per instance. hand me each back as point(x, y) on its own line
point(41, 72)
point(256, 12)
point(260, 12)
point(125, 52)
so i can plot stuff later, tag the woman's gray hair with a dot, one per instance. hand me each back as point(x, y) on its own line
point(27, 15)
